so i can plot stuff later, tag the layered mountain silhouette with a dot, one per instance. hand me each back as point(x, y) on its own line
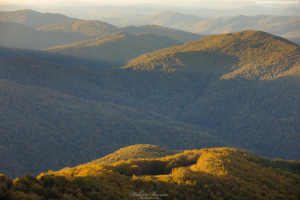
point(98, 28)
point(165, 19)
point(286, 26)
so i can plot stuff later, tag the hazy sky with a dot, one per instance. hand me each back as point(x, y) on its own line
point(123, 2)
point(219, 4)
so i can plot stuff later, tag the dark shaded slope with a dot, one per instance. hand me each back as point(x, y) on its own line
point(42, 129)
point(117, 48)
point(55, 58)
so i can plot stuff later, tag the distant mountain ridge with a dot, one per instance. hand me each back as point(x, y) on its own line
point(88, 28)
point(97, 28)
point(165, 19)
point(14, 34)
point(277, 25)
point(34, 19)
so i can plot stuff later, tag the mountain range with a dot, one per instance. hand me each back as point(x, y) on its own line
point(98, 28)
point(237, 90)
point(91, 110)
point(277, 25)
point(14, 34)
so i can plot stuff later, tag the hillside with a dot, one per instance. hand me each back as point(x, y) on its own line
point(17, 35)
point(34, 19)
point(221, 173)
point(89, 28)
point(117, 48)
point(181, 36)
point(75, 130)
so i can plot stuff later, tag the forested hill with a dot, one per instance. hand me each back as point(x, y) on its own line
point(117, 48)
point(242, 88)
point(34, 19)
point(89, 28)
point(219, 173)
point(259, 56)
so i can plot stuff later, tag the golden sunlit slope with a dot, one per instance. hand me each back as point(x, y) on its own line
point(34, 19)
point(134, 152)
point(219, 173)
point(89, 28)
point(116, 48)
